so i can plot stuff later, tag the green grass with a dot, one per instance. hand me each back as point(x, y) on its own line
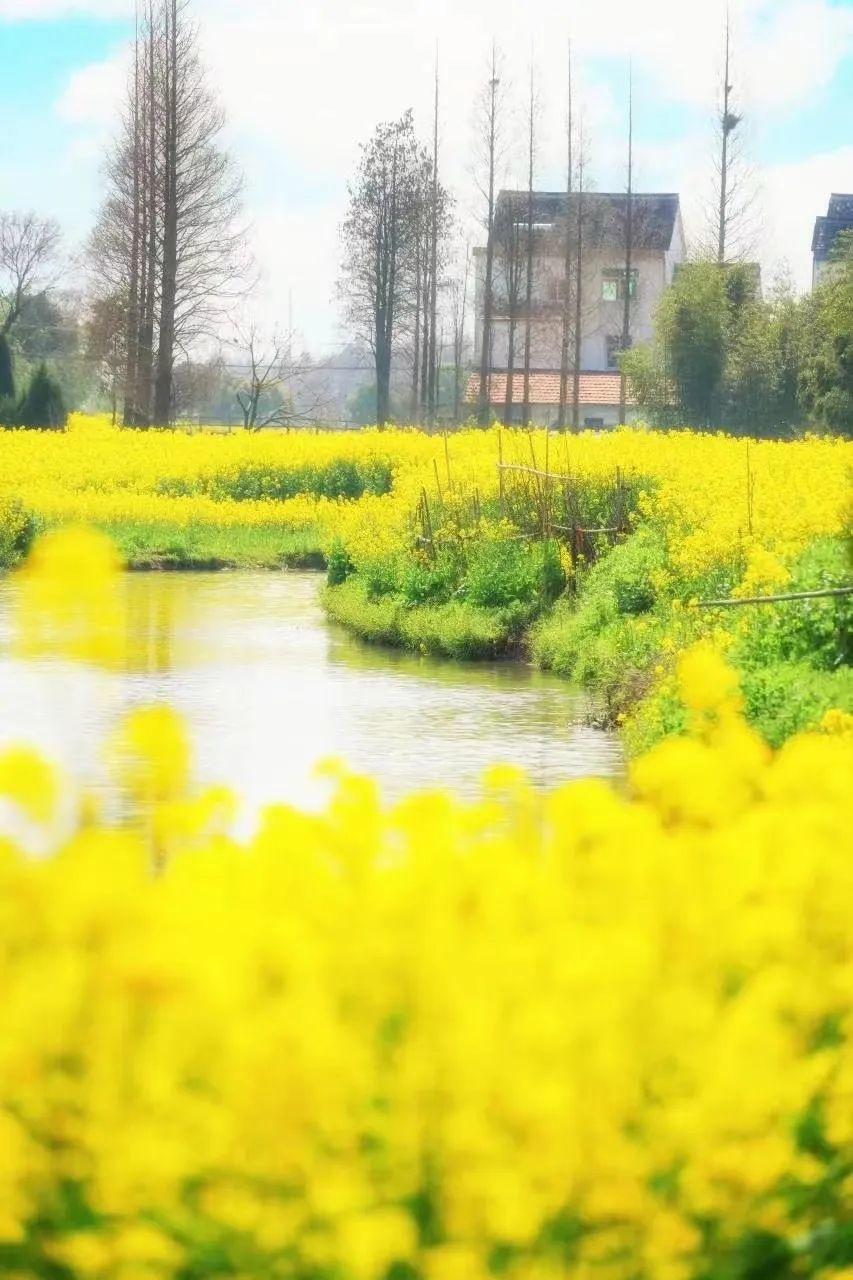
point(453, 629)
point(201, 546)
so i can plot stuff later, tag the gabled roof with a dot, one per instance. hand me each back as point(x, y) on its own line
point(654, 215)
point(839, 217)
point(595, 388)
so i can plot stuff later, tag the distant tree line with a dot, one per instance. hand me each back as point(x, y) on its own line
point(29, 250)
point(724, 356)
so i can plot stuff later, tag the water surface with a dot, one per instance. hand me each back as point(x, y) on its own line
point(268, 688)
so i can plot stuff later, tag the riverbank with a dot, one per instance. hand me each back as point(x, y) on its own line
point(619, 624)
point(590, 555)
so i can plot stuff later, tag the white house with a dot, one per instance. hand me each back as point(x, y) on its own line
point(657, 248)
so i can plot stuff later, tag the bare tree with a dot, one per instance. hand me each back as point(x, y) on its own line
point(29, 250)
point(105, 332)
point(433, 226)
point(432, 374)
point(510, 261)
point(731, 214)
point(580, 232)
point(488, 124)
point(380, 235)
point(275, 390)
point(167, 237)
point(529, 249)
point(566, 317)
point(459, 307)
point(629, 249)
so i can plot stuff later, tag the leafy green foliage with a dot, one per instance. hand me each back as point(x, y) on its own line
point(338, 478)
point(18, 530)
point(723, 356)
point(818, 632)
point(339, 565)
point(503, 572)
point(827, 378)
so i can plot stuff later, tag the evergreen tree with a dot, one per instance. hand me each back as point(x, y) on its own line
point(42, 406)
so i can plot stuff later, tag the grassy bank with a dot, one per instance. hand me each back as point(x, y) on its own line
point(615, 625)
point(202, 546)
point(452, 629)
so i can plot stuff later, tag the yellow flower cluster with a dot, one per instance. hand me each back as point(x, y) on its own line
point(601, 1033)
point(714, 494)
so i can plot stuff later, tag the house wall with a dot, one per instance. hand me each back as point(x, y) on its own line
point(605, 416)
point(600, 318)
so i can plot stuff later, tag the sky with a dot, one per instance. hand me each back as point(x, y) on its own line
point(304, 84)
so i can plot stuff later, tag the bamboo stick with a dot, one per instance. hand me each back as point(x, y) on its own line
point(824, 593)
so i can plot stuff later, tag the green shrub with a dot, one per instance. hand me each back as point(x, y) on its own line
point(340, 566)
point(423, 581)
point(380, 576)
point(18, 530)
point(502, 572)
point(784, 698)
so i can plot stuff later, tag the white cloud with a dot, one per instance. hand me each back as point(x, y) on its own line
point(92, 94)
point(304, 85)
point(39, 10)
point(794, 195)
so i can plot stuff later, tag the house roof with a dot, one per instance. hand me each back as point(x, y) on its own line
point(595, 388)
point(654, 214)
point(839, 217)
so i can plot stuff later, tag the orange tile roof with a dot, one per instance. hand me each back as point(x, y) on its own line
point(595, 388)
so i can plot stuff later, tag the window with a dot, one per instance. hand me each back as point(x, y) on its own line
point(613, 284)
point(593, 422)
point(614, 346)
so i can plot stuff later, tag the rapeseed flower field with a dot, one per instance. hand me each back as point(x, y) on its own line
point(601, 1033)
point(712, 492)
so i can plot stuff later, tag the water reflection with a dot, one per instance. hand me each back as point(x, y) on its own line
point(268, 689)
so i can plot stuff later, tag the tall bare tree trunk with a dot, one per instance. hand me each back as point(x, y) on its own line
point(486, 352)
point(528, 293)
point(169, 274)
point(567, 264)
point(425, 340)
point(459, 339)
point(416, 340)
point(132, 319)
point(145, 361)
point(629, 248)
point(433, 268)
point(579, 230)
point(725, 130)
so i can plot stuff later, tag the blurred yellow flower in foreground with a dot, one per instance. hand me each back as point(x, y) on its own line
point(70, 603)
